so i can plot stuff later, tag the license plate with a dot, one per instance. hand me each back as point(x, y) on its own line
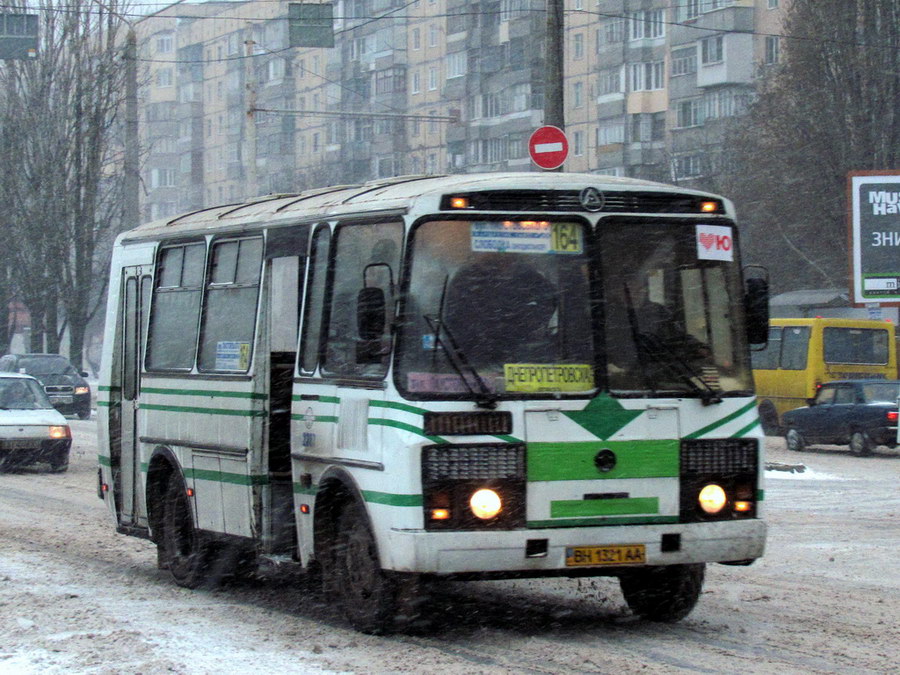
point(626, 554)
point(60, 399)
point(18, 444)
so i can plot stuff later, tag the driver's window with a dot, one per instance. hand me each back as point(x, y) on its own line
point(826, 396)
point(367, 256)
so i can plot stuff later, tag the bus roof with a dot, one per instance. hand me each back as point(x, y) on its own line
point(399, 194)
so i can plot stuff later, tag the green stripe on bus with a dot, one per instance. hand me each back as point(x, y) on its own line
point(320, 399)
point(415, 410)
point(747, 429)
point(106, 387)
point(579, 508)
point(213, 393)
point(587, 522)
point(203, 411)
point(316, 418)
point(225, 477)
point(722, 422)
point(575, 461)
point(760, 495)
point(103, 460)
point(384, 422)
point(300, 490)
point(391, 499)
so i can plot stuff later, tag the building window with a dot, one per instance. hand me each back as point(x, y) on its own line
point(432, 123)
point(773, 50)
point(647, 76)
point(687, 166)
point(610, 133)
point(687, 114)
point(165, 44)
point(416, 39)
point(416, 83)
point(648, 23)
point(432, 35)
point(610, 32)
point(578, 46)
point(712, 50)
point(160, 178)
point(164, 77)
point(432, 78)
point(609, 82)
point(773, 4)
point(578, 95)
point(578, 143)
point(456, 65)
point(684, 61)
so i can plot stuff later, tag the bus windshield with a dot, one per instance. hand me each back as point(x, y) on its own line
point(673, 310)
point(497, 308)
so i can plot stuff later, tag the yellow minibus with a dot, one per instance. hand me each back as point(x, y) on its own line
point(803, 354)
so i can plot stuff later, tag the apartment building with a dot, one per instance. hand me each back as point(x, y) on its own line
point(229, 110)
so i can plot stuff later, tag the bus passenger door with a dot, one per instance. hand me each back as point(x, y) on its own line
point(136, 304)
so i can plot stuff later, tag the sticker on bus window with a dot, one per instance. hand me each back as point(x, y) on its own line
point(445, 383)
point(232, 355)
point(526, 236)
point(715, 242)
point(534, 377)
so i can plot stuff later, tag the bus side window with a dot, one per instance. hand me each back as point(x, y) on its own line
point(176, 307)
point(795, 347)
point(315, 299)
point(367, 256)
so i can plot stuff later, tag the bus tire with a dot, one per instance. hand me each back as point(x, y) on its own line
point(768, 417)
point(183, 553)
point(667, 593)
point(367, 594)
point(861, 444)
point(795, 441)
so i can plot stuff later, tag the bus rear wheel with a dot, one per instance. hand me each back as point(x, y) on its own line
point(368, 595)
point(667, 593)
point(182, 552)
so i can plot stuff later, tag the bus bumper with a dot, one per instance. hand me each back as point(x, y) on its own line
point(513, 551)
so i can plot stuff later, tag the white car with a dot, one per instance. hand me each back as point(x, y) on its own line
point(31, 429)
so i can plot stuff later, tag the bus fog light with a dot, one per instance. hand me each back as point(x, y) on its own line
point(440, 514)
point(712, 499)
point(485, 504)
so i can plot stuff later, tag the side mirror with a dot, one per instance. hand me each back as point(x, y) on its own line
point(371, 318)
point(83, 373)
point(811, 401)
point(756, 309)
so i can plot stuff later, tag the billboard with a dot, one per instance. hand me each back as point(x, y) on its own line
point(874, 233)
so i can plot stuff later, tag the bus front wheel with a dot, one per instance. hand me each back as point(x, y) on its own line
point(182, 552)
point(367, 594)
point(667, 593)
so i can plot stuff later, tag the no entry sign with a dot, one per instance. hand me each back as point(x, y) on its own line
point(548, 147)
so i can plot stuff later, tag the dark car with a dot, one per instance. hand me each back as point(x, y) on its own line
point(66, 388)
point(858, 413)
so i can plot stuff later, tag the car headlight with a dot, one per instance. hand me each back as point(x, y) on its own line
point(82, 390)
point(712, 498)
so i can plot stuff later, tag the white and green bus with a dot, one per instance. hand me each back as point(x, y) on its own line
point(426, 378)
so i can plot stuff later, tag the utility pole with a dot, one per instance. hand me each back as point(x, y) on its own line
point(554, 85)
point(131, 212)
point(250, 73)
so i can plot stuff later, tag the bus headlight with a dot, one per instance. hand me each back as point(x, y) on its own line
point(712, 499)
point(485, 504)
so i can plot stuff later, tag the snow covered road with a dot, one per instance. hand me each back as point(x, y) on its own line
point(75, 597)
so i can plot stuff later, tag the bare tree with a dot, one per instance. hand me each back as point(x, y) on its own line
point(829, 109)
point(64, 189)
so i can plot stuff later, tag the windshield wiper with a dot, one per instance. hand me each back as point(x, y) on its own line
point(484, 398)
